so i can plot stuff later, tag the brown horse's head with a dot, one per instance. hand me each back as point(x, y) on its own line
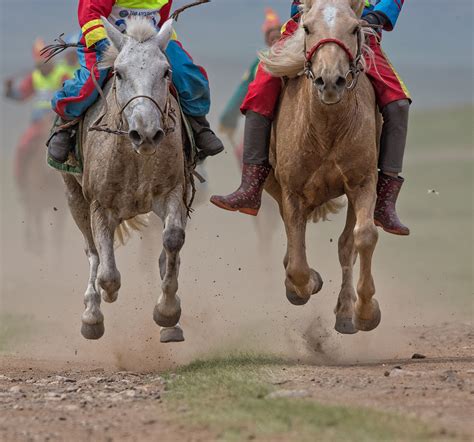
point(332, 42)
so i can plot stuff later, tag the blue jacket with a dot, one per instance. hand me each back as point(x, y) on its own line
point(389, 8)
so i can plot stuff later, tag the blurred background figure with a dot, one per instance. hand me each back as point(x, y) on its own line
point(35, 182)
point(229, 119)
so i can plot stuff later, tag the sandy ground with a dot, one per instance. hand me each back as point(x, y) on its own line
point(41, 400)
point(231, 286)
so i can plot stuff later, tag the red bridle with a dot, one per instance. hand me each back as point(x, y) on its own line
point(312, 52)
point(354, 62)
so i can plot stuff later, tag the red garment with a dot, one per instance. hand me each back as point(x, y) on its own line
point(264, 92)
point(91, 11)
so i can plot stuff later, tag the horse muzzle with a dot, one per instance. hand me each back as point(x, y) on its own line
point(330, 89)
point(146, 142)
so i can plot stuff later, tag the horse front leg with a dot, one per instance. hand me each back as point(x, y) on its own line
point(103, 230)
point(168, 308)
point(367, 312)
point(92, 318)
point(345, 304)
point(301, 281)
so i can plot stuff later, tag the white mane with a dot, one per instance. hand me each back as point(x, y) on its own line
point(139, 28)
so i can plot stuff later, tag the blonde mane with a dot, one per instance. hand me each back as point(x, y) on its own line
point(138, 28)
point(287, 58)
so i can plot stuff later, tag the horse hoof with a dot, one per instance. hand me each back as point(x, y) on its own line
point(345, 326)
point(172, 334)
point(109, 298)
point(93, 332)
point(166, 321)
point(318, 280)
point(363, 324)
point(295, 299)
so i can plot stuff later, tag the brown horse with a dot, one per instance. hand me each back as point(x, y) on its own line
point(328, 150)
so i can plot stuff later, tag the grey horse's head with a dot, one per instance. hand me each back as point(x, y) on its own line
point(143, 76)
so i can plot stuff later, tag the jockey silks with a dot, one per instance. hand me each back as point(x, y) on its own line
point(117, 11)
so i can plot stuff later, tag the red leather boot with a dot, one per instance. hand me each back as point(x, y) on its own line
point(388, 188)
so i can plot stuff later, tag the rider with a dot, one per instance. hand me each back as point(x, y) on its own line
point(230, 117)
point(393, 100)
point(79, 93)
point(39, 85)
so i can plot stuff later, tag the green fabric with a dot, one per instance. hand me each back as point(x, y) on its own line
point(230, 116)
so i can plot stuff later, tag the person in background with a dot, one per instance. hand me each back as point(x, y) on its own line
point(38, 86)
point(393, 100)
point(229, 119)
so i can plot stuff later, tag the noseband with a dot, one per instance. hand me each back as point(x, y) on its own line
point(168, 114)
point(355, 66)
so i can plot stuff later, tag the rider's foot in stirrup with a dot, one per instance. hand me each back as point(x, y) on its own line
point(60, 144)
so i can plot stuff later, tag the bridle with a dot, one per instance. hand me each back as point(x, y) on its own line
point(168, 114)
point(355, 63)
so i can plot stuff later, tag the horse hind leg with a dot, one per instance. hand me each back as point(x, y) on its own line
point(92, 318)
point(345, 304)
point(167, 311)
point(367, 314)
point(301, 281)
point(103, 230)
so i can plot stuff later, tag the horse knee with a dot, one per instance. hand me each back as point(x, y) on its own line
point(365, 236)
point(173, 239)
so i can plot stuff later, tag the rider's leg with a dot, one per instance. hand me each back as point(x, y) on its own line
point(259, 105)
point(394, 101)
point(73, 100)
point(192, 85)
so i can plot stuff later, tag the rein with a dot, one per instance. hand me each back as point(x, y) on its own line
point(168, 114)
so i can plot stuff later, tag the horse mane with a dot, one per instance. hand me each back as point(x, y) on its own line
point(139, 29)
point(287, 58)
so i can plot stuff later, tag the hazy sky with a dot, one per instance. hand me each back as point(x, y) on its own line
point(431, 46)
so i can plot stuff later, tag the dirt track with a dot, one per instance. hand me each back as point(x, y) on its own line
point(42, 400)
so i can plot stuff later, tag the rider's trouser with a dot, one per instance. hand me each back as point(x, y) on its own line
point(79, 93)
point(264, 92)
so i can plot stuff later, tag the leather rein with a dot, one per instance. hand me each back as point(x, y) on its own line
point(168, 114)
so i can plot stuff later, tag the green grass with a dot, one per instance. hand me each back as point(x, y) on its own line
point(228, 396)
point(12, 330)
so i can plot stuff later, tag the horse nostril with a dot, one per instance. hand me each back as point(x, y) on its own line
point(341, 82)
point(319, 82)
point(135, 137)
point(160, 134)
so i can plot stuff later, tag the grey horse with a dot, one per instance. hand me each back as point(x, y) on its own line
point(141, 170)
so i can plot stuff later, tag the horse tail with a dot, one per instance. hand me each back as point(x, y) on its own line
point(125, 229)
point(332, 207)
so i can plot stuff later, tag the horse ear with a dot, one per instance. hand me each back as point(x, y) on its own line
point(114, 35)
point(358, 6)
point(164, 35)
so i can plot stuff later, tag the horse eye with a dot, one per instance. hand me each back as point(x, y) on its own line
point(356, 30)
point(306, 29)
point(168, 74)
point(118, 75)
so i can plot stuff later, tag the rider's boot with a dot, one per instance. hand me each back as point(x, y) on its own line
point(392, 149)
point(248, 197)
point(61, 142)
point(207, 142)
point(388, 188)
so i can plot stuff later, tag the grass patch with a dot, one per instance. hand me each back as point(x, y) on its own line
point(229, 397)
point(12, 330)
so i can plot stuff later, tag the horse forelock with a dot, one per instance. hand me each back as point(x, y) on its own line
point(140, 29)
